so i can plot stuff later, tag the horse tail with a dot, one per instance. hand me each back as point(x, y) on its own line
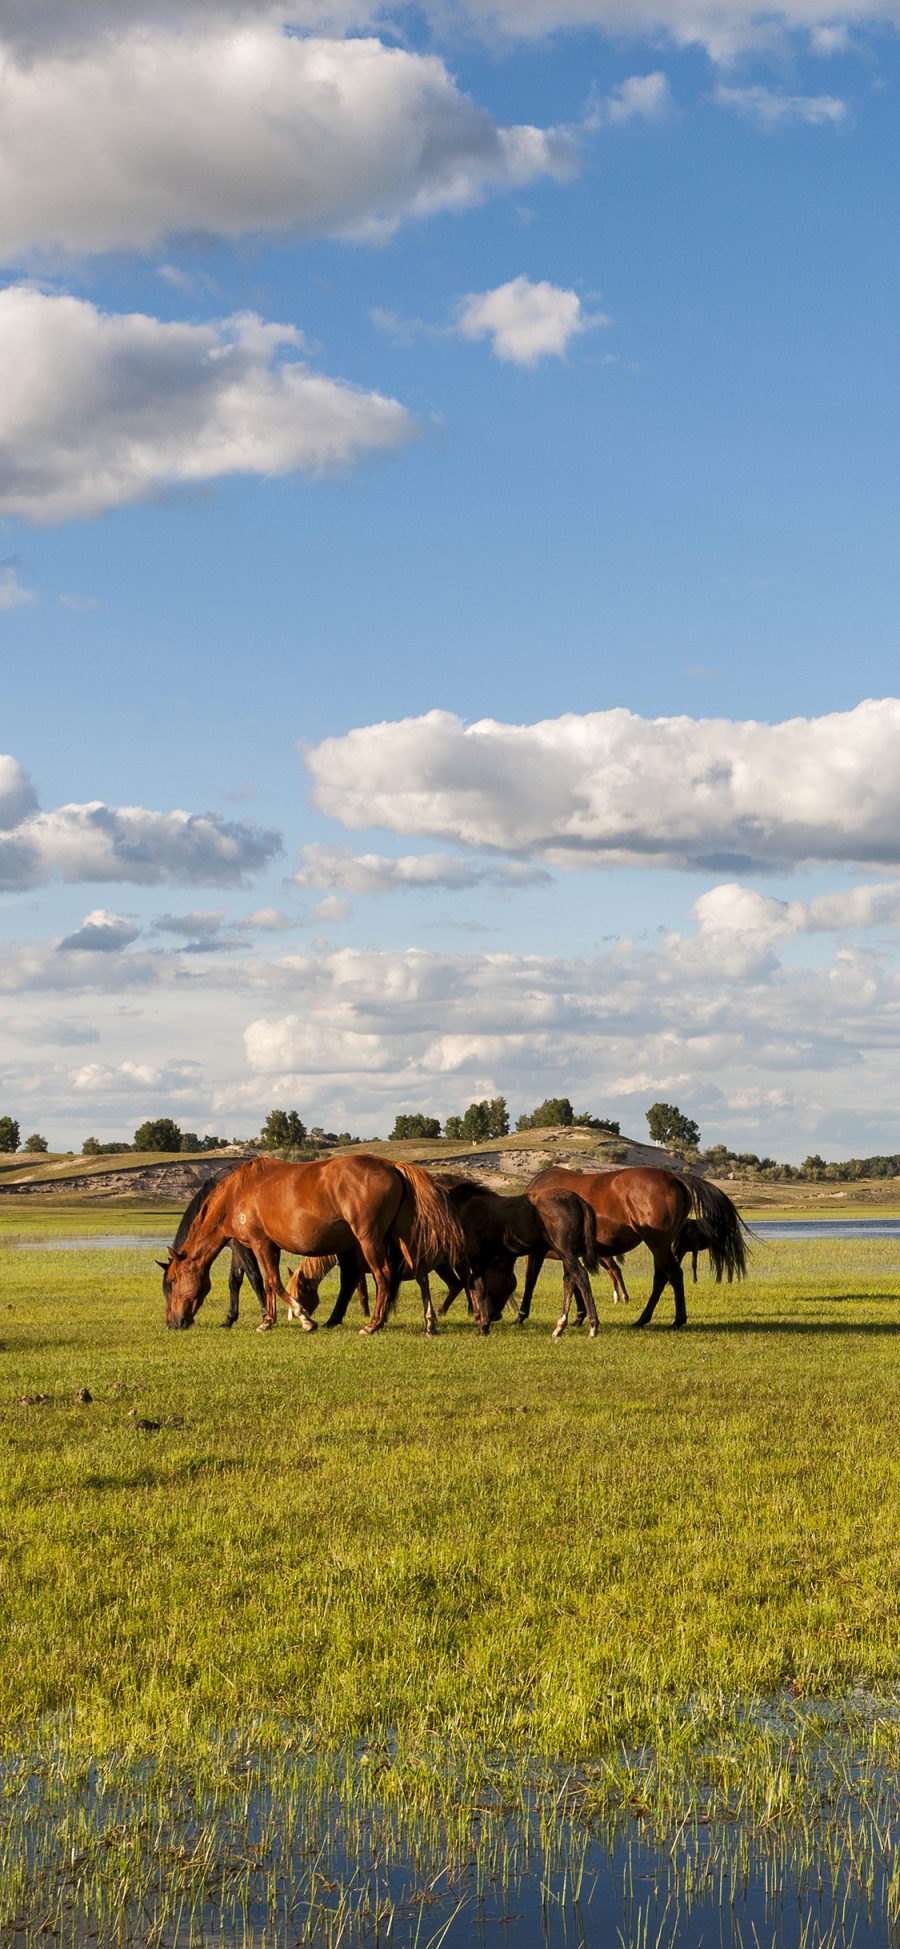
point(723, 1227)
point(435, 1232)
point(588, 1251)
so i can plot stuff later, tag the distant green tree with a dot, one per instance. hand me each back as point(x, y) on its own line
point(606, 1124)
point(283, 1130)
point(668, 1125)
point(36, 1142)
point(476, 1123)
point(814, 1165)
point(158, 1133)
point(453, 1128)
point(189, 1140)
point(91, 1147)
point(553, 1111)
point(414, 1124)
point(9, 1133)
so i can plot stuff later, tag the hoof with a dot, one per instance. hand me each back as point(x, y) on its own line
point(637, 1324)
point(677, 1325)
point(592, 1332)
point(226, 1322)
point(266, 1326)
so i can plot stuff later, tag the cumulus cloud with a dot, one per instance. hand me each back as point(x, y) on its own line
point(109, 409)
point(175, 1079)
point(232, 129)
point(12, 593)
point(725, 28)
point(771, 109)
point(612, 787)
point(361, 873)
point(101, 933)
point(642, 98)
point(18, 797)
point(97, 842)
point(524, 321)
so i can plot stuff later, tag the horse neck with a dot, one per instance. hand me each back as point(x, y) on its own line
point(206, 1237)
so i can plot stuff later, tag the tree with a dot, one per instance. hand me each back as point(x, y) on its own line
point(476, 1123)
point(283, 1130)
point(606, 1124)
point(668, 1125)
point(9, 1133)
point(91, 1147)
point(553, 1111)
point(414, 1125)
point(453, 1128)
point(35, 1143)
point(158, 1133)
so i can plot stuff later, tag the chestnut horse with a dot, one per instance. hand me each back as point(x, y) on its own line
point(645, 1205)
point(394, 1213)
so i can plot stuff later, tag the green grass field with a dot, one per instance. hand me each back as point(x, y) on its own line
point(615, 1553)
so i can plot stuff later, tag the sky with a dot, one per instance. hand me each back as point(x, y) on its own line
point(449, 568)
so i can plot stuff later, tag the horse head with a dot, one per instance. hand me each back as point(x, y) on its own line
point(185, 1286)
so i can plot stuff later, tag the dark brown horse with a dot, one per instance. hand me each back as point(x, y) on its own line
point(693, 1239)
point(393, 1213)
point(498, 1230)
point(643, 1205)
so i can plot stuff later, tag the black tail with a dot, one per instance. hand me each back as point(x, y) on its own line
point(723, 1227)
point(588, 1250)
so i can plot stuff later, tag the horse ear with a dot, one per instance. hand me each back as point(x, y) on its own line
point(163, 1265)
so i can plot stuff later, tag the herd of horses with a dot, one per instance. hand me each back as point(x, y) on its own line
point(393, 1221)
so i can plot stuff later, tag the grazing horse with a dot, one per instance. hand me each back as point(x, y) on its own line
point(498, 1230)
point(645, 1205)
point(393, 1213)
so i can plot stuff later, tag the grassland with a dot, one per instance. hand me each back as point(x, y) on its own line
point(670, 1561)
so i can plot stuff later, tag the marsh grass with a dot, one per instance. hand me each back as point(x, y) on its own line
point(483, 1599)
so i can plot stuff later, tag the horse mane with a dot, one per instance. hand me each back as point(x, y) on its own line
point(198, 1203)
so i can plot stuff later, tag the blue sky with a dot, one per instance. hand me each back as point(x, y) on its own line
point(621, 439)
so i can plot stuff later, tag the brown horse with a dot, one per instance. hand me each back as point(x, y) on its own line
point(394, 1214)
point(645, 1205)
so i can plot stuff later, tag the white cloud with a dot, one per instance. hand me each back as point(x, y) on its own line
point(525, 321)
point(12, 593)
point(102, 932)
point(725, 28)
point(18, 797)
point(109, 409)
point(612, 787)
point(82, 603)
point(773, 110)
point(642, 98)
point(268, 920)
point(175, 1080)
point(98, 842)
point(333, 908)
point(363, 873)
point(238, 129)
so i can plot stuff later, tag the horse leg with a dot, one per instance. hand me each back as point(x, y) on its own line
point(427, 1305)
point(583, 1294)
point(666, 1272)
point(351, 1280)
point(235, 1282)
point(478, 1300)
point(563, 1321)
point(363, 1295)
point(533, 1268)
point(694, 1257)
point(387, 1279)
point(454, 1287)
point(269, 1258)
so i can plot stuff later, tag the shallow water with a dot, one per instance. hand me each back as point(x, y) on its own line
point(811, 1229)
point(302, 1859)
point(93, 1242)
